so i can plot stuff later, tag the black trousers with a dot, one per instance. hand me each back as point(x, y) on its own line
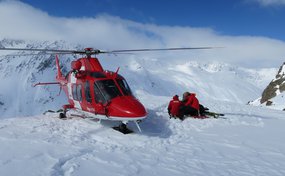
point(203, 110)
point(188, 110)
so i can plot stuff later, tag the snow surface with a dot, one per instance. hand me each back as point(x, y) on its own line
point(249, 141)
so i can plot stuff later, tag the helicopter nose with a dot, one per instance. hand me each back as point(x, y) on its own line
point(126, 106)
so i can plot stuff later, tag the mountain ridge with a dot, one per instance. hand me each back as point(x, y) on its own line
point(210, 81)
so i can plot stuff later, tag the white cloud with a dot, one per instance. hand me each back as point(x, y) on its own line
point(270, 2)
point(21, 21)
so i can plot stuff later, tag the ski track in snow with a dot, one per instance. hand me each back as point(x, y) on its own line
point(248, 142)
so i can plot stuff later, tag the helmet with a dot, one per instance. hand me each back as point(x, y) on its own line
point(175, 97)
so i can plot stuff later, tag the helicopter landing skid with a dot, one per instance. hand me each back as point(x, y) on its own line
point(123, 129)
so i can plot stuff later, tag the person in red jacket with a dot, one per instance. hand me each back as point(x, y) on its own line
point(174, 107)
point(191, 105)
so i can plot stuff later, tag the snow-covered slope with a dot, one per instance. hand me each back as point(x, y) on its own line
point(248, 141)
point(210, 81)
point(18, 72)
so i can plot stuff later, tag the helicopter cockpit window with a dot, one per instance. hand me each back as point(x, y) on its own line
point(108, 88)
point(99, 98)
point(124, 86)
point(87, 92)
point(79, 93)
point(76, 92)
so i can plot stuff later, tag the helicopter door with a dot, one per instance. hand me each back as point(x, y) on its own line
point(99, 98)
point(87, 99)
point(88, 92)
point(77, 95)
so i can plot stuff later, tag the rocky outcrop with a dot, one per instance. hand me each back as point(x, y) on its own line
point(275, 87)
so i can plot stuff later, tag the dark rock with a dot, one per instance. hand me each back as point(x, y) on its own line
point(277, 84)
point(269, 103)
point(282, 87)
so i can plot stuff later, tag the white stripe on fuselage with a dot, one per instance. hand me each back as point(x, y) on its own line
point(73, 79)
point(77, 104)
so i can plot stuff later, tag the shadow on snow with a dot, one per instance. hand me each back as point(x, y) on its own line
point(155, 125)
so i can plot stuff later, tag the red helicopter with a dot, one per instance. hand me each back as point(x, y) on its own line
point(97, 93)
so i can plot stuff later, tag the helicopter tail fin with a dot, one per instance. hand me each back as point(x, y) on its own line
point(59, 74)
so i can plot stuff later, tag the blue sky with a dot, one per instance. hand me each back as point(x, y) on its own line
point(251, 31)
point(227, 17)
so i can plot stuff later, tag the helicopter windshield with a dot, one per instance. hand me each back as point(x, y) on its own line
point(108, 90)
point(124, 86)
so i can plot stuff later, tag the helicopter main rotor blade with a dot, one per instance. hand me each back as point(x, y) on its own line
point(91, 51)
point(159, 49)
point(40, 50)
point(87, 51)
